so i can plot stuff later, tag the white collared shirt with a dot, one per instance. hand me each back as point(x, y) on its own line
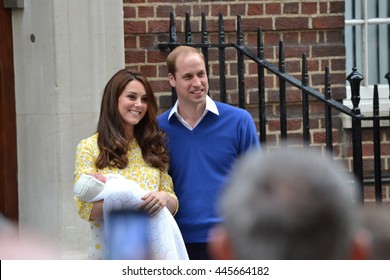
point(210, 106)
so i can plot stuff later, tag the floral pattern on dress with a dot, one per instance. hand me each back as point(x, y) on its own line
point(149, 178)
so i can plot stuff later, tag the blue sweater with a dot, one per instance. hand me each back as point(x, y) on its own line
point(200, 161)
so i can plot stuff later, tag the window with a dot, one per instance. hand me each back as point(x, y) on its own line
point(367, 41)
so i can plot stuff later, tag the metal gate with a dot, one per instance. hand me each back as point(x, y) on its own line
point(332, 108)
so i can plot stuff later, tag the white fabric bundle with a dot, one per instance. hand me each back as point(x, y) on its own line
point(120, 193)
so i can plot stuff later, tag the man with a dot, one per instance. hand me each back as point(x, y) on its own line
point(289, 204)
point(204, 139)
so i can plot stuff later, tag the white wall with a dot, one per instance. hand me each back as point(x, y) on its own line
point(59, 80)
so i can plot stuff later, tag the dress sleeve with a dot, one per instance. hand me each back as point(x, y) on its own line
point(166, 185)
point(85, 163)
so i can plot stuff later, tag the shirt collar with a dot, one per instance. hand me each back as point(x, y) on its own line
point(210, 106)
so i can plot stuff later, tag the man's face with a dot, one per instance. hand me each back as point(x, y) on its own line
point(190, 80)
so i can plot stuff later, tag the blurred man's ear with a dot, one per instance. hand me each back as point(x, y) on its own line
point(219, 244)
point(361, 246)
point(171, 80)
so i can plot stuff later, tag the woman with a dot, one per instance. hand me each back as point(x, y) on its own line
point(127, 142)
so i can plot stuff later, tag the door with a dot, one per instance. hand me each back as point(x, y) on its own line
point(8, 156)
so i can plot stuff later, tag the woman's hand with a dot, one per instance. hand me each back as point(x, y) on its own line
point(155, 201)
point(97, 210)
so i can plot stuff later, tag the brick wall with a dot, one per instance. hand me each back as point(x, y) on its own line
point(313, 27)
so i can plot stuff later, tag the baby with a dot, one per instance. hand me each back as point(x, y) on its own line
point(120, 193)
point(89, 188)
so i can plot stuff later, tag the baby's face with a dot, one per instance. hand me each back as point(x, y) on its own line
point(99, 177)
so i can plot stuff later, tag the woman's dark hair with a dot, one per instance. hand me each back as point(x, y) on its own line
point(113, 141)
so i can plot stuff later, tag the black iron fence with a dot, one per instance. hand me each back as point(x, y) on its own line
point(331, 106)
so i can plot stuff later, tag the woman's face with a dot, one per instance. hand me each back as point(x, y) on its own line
point(132, 104)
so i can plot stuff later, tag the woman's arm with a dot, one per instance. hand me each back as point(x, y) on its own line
point(85, 164)
point(166, 185)
point(96, 211)
point(172, 204)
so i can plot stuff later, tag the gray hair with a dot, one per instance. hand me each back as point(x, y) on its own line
point(290, 204)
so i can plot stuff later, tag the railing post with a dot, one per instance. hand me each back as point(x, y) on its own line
point(205, 41)
point(221, 54)
point(240, 64)
point(305, 103)
point(387, 76)
point(355, 79)
point(282, 94)
point(261, 88)
point(188, 33)
point(328, 113)
point(377, 147)
point(172, 29)
point(172, 39)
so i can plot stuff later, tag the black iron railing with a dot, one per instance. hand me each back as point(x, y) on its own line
point(243, 52)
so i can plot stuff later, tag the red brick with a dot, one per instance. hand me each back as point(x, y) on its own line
point(198, 10)
point(293, 67)
point(291, 23)
point(252, 24)
point(160, 86)
point(130, 42)
point(251, 82)
point(273, 9)
point(237, 9)
point(295, 125)
point(147, 41)
point(308, 37)
point(162, 71)
point(309, 8)
point(328, 22)
point(217, 8)
point(163, 1)
point(156, 26)
point(291, 37)
point(133, 68)
point(313, 65)
point(317, 108)
point(337, 64)
point(296, 51)
point(163, 11)
point(129, 12)
point(148, 70)
point(133, 1)
point(319, 137)
point(291, 8)
point(230, 25)
point(134, 27)
point(155, 56)
point(323, 7)
point(272, 38)
point(328, 50)
point(335, 36)
point(273, 125)
point(255, 9)
point(180, 10)
point(145, 11)
point(337, 7)
point(135, 56)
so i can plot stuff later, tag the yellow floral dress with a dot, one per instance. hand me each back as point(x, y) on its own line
point(149, 178)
